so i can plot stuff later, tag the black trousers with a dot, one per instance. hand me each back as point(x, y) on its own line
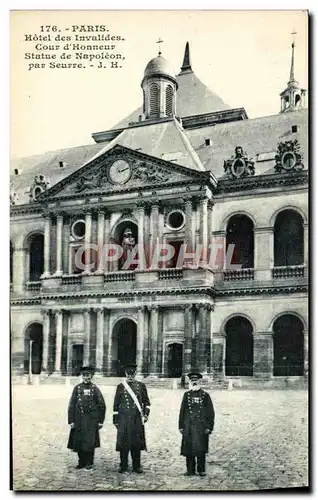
point(192, 461)
point(86, 457)
point(135, 456)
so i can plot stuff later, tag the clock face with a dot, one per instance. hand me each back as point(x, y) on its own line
point(120, 172)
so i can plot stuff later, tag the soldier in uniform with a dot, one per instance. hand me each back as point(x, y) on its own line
point(196, 422)
point(131, 411)
point(86, 415)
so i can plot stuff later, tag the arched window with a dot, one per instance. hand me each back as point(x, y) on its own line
point(288, 239)
point(288, 341)
point(240, 233)
point(36, 250)
point(239, 347)
point(154, 99)
point(297, 100)
point(286, 102)
point(169, 100)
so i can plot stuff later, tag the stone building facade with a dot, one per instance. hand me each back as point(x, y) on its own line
point(183, 170)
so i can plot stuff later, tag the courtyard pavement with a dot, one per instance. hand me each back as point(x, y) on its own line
point(260, 441)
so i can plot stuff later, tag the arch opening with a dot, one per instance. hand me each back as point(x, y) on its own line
point(124, 345)
point(288, 239)
point(288, 342)
point(36, 252)
point(33, 348)
point(174, 360)
point(240, 233)
point(239, 347)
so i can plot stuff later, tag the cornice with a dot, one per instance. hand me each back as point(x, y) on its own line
point(273, 290)
point(262, 181)
point(208, 291)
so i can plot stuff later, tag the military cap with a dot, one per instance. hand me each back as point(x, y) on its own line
point(130, 366)
point(87, 369)
point(194, 375)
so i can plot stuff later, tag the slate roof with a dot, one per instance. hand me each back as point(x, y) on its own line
point(259, 137)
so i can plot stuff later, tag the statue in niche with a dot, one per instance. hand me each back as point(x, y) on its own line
point(128, 243)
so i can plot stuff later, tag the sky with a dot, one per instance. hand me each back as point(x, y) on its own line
point(243, 56)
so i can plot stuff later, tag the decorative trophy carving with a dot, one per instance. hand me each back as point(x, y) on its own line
point(239, 165)
point(39, 185)
point(13, 195)
point(288, 157)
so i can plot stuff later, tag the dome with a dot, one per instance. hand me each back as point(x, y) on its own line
point(159, 66)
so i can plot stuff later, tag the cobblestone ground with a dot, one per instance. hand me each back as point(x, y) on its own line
point(259, 442)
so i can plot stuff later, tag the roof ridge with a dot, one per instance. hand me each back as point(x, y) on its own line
point(188, 145)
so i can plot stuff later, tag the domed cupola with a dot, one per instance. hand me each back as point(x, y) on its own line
point(159, 87)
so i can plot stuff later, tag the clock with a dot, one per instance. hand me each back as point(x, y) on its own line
point(119, 172)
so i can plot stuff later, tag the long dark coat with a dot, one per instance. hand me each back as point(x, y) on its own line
point(130, 431)
point(86, 410)
point(195, 417)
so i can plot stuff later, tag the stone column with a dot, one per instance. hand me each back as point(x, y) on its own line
point(46, 339)
point(140, 339)
point(218, 354)
point(154, 228)
point(100, 242)
point(210, 226)
point(209, 338)
point(194, 224)
point(201, 338)
point(19, 269)
point(69, 345)
point(146, 362)
point(59, 244)
point(217, 258)
point(107, 343)
point(141, 243)
point(263, 354)
point(306, 249)
point(47, 243)
point(263, 253)
point(306, 366)
point(187, 337)
point(58, 340)
point(204, 229)
point(99, 339)
point(153, 354)
point(87, 340)
point(188, 226)
point(88, 240)
point(106, 239)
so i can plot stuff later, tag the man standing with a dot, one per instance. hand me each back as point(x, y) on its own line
point(131, 411)
point(86, 415)
point(196, 422)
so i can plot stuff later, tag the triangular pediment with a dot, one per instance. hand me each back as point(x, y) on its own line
point(121, 169)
